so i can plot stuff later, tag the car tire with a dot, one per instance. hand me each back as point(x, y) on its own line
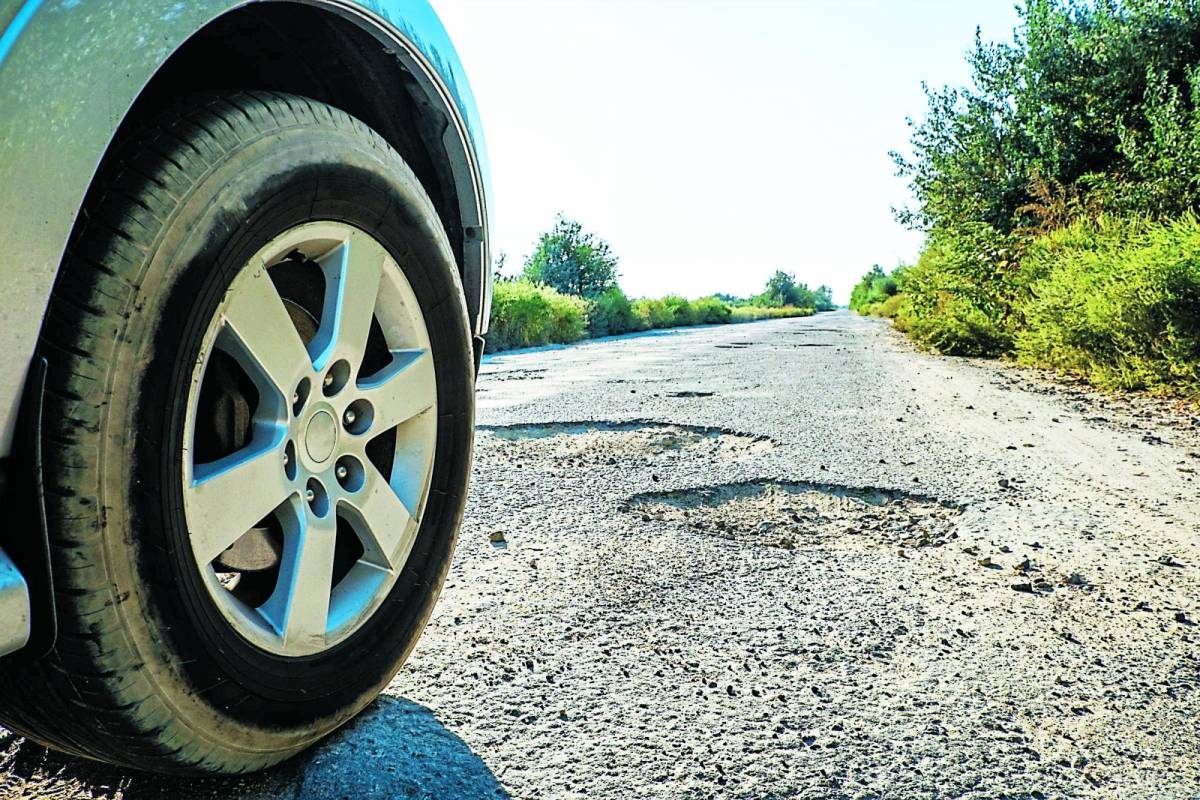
point(158, 665)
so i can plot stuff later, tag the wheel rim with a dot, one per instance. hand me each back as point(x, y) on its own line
point(309, 438)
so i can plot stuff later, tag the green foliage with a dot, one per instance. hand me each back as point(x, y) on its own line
point(1116, 301)
point(783, 290)
point(611, 313)
point(681, 310)
point(1057, 195)
point(874, 288)
point(963, 290)
point(569, 290)
point(756, 313)
point(1088, 93)
point(711, 311)
point(525, 314)
point(653, 313)
point(572, 261)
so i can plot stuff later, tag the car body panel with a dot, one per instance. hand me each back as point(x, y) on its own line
point(14, 606)
point(70, 70)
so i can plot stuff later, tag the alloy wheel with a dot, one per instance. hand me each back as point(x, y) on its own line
point(309, 438)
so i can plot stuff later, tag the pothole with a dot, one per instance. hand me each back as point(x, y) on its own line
point(689, 393)
point(790, 514)
point(609, 443)
point(734, 345)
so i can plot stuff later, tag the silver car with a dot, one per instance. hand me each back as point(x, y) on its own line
point(245, 284)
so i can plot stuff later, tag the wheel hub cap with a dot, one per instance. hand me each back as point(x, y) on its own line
point(320, 439)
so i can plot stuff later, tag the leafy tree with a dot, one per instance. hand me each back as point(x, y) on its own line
point(781, 288)
point(572, 260)
point(823, 297)
point(875, 287)
point(1072, 100)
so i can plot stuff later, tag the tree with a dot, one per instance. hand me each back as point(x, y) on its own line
point(1070, 101)
point(824, 299)
point(572, 261)
point(875, 287)
point(780, 288)
point(783, 290)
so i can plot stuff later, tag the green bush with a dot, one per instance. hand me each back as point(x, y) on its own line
point(963, 290)
point(526, 314)
point(874, 288)
point(653, 313)
point(611, 313)
point(895, 307)
point(1117, 301)
point(711, 311)
point(682, 312)
point(756, 313)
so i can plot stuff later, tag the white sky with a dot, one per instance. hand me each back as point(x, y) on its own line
point(711, 142)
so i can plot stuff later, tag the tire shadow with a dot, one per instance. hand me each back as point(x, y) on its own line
point(394, 749)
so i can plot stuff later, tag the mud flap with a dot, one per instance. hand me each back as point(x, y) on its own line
point(479, 343)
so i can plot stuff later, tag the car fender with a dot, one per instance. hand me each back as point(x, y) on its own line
point(70, 71)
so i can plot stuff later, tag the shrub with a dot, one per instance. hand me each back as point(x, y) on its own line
point(653, 313)
point(711, 311)
point(1117, 301)
point(755, 313)
point(526, 314)
point(611, 313)
point(963, 290)
point(682, 312)
point(891, 308)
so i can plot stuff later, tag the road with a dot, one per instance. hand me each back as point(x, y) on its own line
point(785, 559)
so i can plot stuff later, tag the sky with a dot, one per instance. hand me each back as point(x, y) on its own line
point(711, 142)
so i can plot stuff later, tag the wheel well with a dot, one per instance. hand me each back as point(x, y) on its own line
point(302, 49)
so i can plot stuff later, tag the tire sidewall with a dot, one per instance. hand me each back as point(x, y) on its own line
point(215, 679)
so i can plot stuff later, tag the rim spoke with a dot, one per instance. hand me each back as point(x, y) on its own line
point(400, 391)
point(299, 607)
point(263, 330)
point(352, 275)
point(385, 528)
point(230, 496)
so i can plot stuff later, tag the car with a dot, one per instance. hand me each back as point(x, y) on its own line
point(246, 282)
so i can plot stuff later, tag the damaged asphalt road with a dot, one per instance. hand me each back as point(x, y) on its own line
point(785, 559)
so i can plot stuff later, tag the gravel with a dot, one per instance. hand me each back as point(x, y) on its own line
point(789, 559)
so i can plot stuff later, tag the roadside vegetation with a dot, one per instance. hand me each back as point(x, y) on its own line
point(568, 291)
point(1058, 196)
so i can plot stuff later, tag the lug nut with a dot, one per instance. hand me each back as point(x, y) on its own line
point(349, 417)
point(328, 380)
point(309, 495)
point(341, 472)
point(286, 460)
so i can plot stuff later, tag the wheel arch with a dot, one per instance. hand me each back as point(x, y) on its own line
point(353, 59)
